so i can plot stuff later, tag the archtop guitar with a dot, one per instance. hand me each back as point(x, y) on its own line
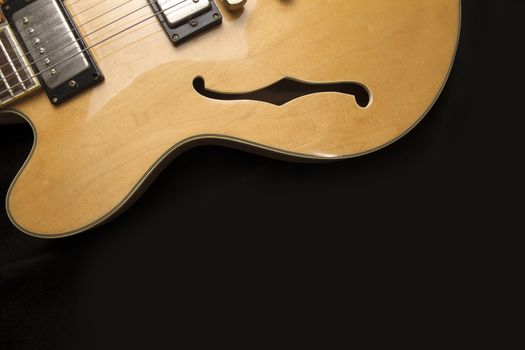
point(114, 89)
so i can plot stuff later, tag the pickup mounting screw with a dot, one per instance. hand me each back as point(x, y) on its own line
point(72, 84)
point(25, 20)
point(53, 72)
point(175, 36)
point(193, 22)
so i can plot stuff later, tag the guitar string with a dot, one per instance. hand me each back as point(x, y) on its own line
point(80, 37)
point(24, 66)
point(74, 2)
point(92, 46)
point(25, 54)
point(89, 7)
point(64, 2)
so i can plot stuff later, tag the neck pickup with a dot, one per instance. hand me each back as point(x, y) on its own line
point(52, 47)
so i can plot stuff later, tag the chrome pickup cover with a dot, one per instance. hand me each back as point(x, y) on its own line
point(53, 46)
point(46, 33)
point(184, 19)
point(178, 11)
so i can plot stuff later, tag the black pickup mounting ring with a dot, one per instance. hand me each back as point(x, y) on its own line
point(75, 84)
point(192, 27)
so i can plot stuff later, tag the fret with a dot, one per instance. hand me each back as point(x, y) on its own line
point(15, 62)
point(6, 88)
point(17, 80)
point(18, 64)
point(16, 76)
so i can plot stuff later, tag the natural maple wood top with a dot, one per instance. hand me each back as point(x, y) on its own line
point(92, 152)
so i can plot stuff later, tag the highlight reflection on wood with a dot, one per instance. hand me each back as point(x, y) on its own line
point(93, 152)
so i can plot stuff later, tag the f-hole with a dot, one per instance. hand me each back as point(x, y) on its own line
point(286, 90)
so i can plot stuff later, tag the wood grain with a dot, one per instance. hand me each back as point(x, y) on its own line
point(92, 153)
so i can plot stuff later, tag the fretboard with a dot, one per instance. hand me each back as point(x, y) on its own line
point(16, 76)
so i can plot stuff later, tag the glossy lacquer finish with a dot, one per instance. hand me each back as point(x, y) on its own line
point(92, 153)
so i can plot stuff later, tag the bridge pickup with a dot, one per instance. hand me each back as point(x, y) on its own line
point(183, 19)
point(54, 47)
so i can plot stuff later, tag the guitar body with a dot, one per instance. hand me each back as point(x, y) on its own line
point(94, 153)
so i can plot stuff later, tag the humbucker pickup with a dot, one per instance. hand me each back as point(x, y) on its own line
point(183, 19)
point(53, 46)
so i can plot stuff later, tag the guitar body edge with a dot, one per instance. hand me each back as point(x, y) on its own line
point(94, 156)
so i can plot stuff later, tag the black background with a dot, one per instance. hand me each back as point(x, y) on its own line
point(418, 245)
